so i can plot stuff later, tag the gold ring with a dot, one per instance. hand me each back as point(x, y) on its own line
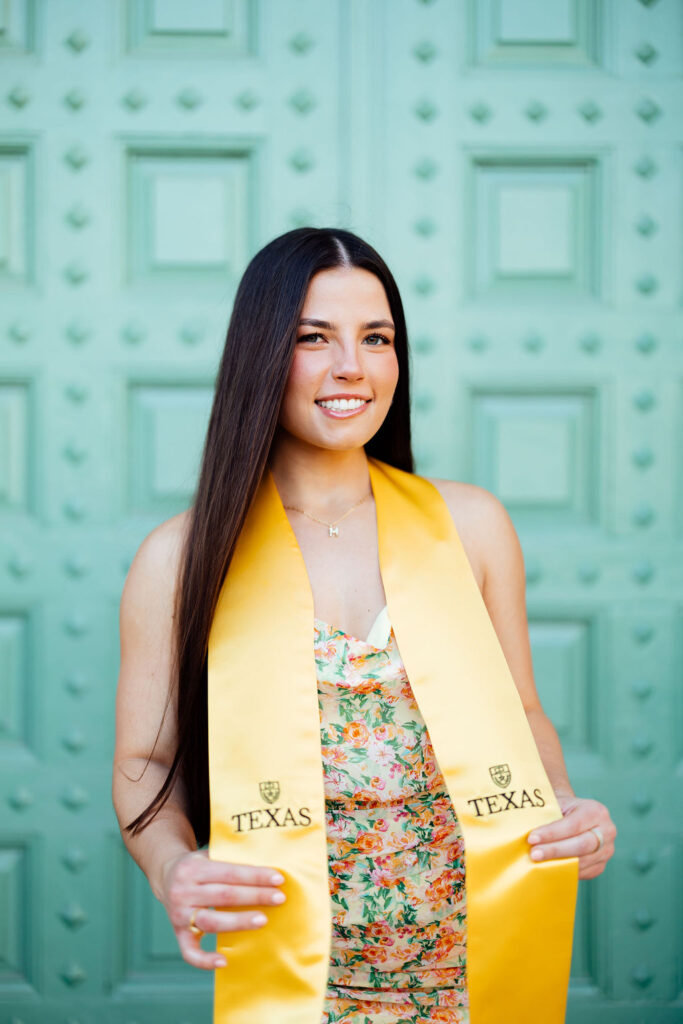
point(599, 836)
point(192, 926)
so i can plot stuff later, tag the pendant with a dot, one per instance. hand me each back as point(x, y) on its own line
point(334, 531)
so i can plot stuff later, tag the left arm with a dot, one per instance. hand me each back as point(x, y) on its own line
point(501, 566)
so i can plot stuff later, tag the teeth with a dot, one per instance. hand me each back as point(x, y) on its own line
point(343, 403)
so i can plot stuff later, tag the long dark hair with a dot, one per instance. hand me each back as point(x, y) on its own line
point(258, 352)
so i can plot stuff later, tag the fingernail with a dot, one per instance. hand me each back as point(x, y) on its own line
point(533, 837)
point(276, 879)
point(537, 854)
point(259, 919)
point(221, 961)
point(278, 897)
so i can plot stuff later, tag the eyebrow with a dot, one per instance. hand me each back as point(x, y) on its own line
point(370, 325)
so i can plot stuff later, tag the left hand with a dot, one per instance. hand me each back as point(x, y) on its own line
point(570, 835)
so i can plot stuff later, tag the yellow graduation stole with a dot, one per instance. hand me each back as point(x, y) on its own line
point(265, 767)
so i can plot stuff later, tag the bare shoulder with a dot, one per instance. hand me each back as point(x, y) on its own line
point(146, 632)
point(148, 596)
point(169, 536)
point(158, 556)
point(166, 540)
point(477, 514)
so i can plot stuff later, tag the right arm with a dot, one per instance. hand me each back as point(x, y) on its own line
point(182, 877)
point(146, 636)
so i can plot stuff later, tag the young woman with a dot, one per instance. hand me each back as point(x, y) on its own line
point(308, 463)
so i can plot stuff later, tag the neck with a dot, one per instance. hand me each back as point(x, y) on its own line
point(322, 481)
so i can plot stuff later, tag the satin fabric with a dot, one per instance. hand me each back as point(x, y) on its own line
point(265, 770)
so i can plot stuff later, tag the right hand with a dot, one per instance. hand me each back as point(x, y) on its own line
point(193, 880)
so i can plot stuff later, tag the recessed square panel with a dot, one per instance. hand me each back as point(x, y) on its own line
point(166, 429)
point(17, 215)
point(563, 659)
point(524, 244)
point(16, 696)
point(15, 447)
point(211, 17)
point(17, 27)
point(583, 966)
point(175, 28)
point(534, 228)
point(188, 214)
point(535, 21)
point(535, 33)
point(537, 452)
point(189, 223)
point(145, 948)
point(677, 475)
point(18, 915)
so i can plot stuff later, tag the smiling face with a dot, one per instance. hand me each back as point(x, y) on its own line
point(340, 354)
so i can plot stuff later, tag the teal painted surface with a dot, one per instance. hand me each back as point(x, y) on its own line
point(518, 164)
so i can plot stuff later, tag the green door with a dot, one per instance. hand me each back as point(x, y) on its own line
point(518, 164)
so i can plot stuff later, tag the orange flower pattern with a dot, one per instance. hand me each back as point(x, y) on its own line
point(396, 852)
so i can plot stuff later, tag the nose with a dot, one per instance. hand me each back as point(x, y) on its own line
point(347, 361)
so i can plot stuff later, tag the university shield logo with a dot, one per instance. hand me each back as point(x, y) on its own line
point(269, 790)
point(501, 774)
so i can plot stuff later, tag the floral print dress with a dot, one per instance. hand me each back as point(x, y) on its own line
point(395, 849)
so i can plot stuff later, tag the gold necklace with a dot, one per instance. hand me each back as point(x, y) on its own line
point(332, 527)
